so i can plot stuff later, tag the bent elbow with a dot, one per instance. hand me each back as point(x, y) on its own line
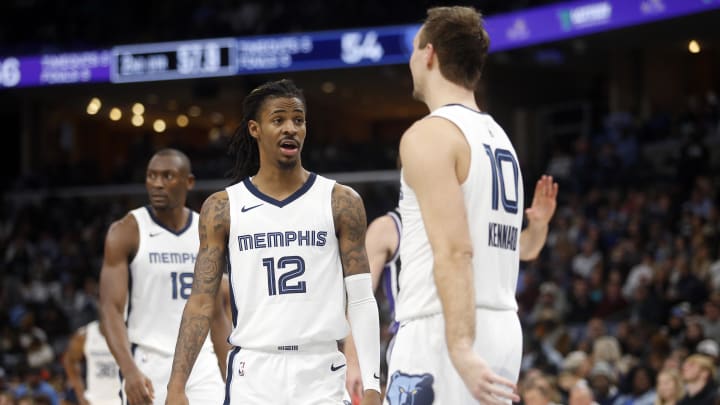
point(457, 254)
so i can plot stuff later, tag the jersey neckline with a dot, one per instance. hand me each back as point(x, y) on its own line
point(280, 203)
point(160, 224)
point(465, 107)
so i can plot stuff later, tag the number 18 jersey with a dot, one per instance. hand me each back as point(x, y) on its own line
point(161, 277)
point(286, 278)
point(493, 195)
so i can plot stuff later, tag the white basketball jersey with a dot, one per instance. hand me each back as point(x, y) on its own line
point(493, 194)
point(391, 270)
point(161, 277)
point(102, 372)
point(286, 278)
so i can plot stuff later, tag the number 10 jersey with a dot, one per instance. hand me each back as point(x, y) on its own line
point(493, 196)
point(286, 277)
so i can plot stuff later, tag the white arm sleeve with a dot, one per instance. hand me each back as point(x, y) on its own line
point(365, 325)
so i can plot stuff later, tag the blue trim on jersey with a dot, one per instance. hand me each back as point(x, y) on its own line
point(294, 196)
point(129, 298)
point(229, 376)
point(395, 216)
point(122, 399)
point(466, 107)
point(133, 346)
point(389, 293)
point(161, 225)
point(233, 307)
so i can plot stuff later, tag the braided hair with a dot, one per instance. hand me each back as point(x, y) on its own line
point(243, 147)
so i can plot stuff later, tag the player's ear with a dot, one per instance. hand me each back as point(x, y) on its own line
point(429, 54)
point(190, 181)
point(253, 128)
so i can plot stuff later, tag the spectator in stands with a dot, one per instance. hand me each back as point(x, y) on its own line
point(35, 386)
point(669, 388)
point(698, 373)
point(581, 307)
point(537, 389)
point(613, 306)
point(640, 391)
point(603, 383)
point(581, 394)
point(575, 368)
point(641, 273)
point(710, 321)
point(584, 262)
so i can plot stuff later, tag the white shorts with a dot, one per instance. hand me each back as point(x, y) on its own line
point(204, 387)
point(310, 374)
point(420, 371)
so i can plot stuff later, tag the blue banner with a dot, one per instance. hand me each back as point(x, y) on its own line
point(327, 49)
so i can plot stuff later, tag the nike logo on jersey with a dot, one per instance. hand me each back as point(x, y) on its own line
point(244, 209)
point(375, 376)
point(333, 368)
point(152, 235)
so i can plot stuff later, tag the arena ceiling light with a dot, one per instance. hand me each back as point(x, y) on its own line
point(694, 46)
point(138, 109)
point(115, 114)
point(159, 126)
point(93, 106)
point(137, 120)
point(182, 120)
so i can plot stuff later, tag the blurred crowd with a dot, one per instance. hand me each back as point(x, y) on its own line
point(622, 307)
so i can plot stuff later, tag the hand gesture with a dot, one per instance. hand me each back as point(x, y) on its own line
point(138, 388)
point(544, 201)
point(485, 386)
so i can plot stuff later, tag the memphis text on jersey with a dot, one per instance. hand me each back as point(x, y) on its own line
point(281, 239)
point(502, 236)
point(171, 258)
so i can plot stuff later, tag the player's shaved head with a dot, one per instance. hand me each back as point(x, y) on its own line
point(184, 167)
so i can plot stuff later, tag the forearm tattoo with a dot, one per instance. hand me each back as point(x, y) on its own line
point(351, 225)
point(214, 218)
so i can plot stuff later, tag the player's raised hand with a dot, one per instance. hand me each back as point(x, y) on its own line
point(485, 386)
point(139, 388)
point(544, 201)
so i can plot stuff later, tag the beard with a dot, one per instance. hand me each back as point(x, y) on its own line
point(288, 164)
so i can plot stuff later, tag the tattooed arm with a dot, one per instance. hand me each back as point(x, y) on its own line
point(200, 307)
point(350, 226)
point(220, 327)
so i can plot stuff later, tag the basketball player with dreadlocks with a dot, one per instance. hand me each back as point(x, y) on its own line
point(294, 244)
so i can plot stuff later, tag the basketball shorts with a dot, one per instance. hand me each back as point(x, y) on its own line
point(420, 371)
point(204, 387)
point(297, 375)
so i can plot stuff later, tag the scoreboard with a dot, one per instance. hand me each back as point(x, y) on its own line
point(326, 49)
point(173, 60)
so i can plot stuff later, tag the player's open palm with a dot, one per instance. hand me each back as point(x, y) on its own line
point(139, 389)
point(544, 201)
point(485, 386)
